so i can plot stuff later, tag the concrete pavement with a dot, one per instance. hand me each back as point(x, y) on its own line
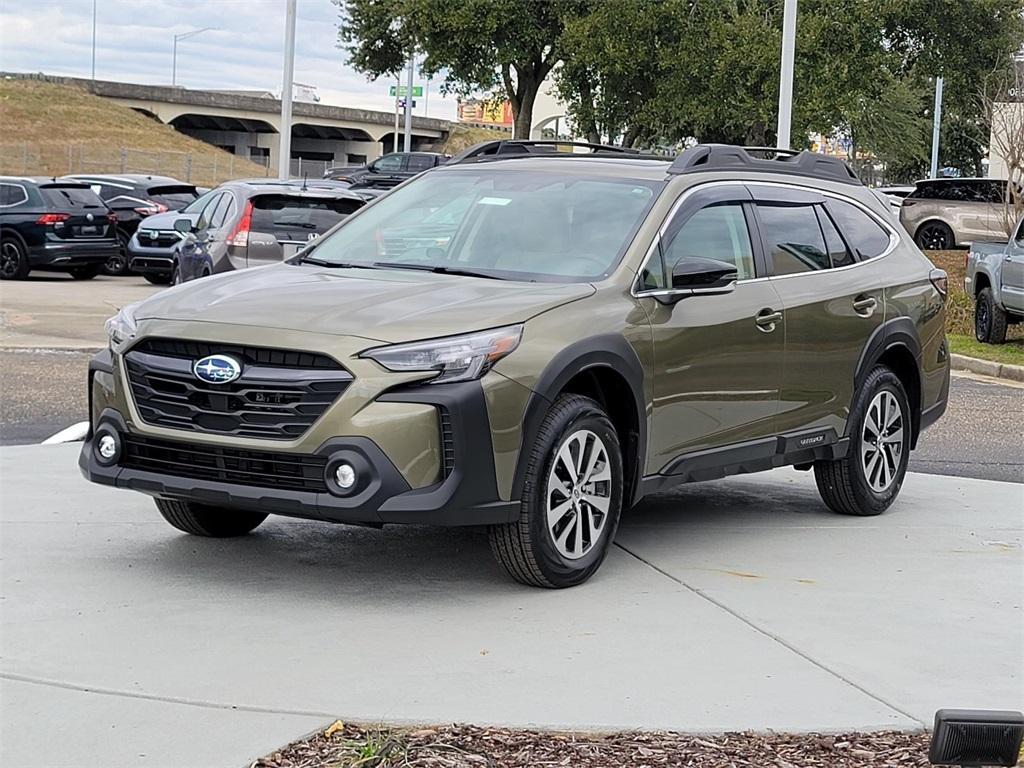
point(736, 604)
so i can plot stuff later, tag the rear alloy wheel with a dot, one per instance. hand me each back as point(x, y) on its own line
point(571, 499)
point(13, 261)
point(203, 520)
point(989, 319)
point(868, 479)
point(86, 273)
point(117, 265)
point(934, 236)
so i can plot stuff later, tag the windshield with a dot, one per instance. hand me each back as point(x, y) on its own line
point(516, 225)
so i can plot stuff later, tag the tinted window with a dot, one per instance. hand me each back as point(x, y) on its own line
point(837, 250)
point(389, 163)
point(962, 190)
point(793, 238)
point(865, 235)
point(1019, 237)
point(419, 162)
point(527, 225)
point(71, 197)
point(717, 232)
point(296, 218)
point(174, 198)
point(220, 213)
point(12, 194)
point(209, 209)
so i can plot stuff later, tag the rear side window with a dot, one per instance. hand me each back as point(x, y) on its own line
point(219, 214)
point(296, 218)
point(11, 195)
point(793, 238)
point(70, 197)
point(174, 198)
point(837, 250)
point(866, 236)
point(419, 162)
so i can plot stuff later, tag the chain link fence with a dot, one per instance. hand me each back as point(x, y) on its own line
point(203, 169)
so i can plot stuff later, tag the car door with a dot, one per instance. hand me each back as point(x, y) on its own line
point(819, 250)
point(718, 358)
point(386, 171)
point(1012, 288)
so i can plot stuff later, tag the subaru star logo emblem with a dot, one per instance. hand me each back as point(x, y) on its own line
point(217, 369)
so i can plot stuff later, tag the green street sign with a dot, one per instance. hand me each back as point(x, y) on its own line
point(417, 91)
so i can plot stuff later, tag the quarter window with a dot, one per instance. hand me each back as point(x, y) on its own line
point(837, 250)
point(866, 236)
point(717, 232)
point(793, 238)
point(11, 195)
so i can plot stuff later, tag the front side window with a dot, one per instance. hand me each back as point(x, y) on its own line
point(717, 232)
point(505, 223)
point(793, 238)
point(865, 235)
point(388, 163)
point(1019, 237)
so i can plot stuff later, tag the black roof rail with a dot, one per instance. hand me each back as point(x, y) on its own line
point(727, 157)
point(504, 149)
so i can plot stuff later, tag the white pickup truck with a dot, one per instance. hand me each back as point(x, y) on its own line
point(995, 278)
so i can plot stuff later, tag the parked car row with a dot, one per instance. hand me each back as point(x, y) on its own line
point(160, 227)
point(953, 213)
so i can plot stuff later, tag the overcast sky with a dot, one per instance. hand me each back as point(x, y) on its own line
point(244, 50)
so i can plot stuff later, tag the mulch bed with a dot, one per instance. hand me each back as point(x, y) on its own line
point(464, 746)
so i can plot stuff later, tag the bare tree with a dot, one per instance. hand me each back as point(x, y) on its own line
point(1003, 98)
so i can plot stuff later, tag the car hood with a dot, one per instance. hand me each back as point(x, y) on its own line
point(164, 221)
point(381, 305)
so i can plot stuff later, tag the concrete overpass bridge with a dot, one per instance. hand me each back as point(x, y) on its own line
point(249, 124)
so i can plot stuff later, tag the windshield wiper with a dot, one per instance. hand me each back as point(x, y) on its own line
point(336, 264)
point(435, 268)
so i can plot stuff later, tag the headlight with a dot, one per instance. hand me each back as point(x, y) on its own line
point(121, 327)
point(455, 358)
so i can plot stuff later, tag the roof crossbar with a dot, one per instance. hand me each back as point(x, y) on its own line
point(504, 149)
point(726, 157)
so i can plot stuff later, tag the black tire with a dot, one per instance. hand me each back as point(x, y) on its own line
point(117, 266)
point(526, 548)
point(86, 273)
point(13, 260)
point(934, 236)
point(989, 319)
point(202, 520)
point(158, 278)
point(844, 484)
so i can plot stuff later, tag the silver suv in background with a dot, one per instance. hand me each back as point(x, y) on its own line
point(947, 213)
point(256, 222)
point(995, 278)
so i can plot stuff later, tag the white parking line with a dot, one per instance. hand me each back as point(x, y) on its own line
point(72, 434)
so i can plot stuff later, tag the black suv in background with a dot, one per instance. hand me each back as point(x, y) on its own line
point(254, 222)
point(388, 170)
point(55, 225)
point(133, 197)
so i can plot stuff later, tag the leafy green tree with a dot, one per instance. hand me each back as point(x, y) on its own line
point(503, 47)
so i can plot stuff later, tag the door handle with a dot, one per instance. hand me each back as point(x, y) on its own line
point(766, 320)
point(865, 305)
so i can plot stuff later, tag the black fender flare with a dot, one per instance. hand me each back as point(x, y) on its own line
point(898, 332)
point(604, 351)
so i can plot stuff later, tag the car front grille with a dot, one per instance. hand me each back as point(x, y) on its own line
point(163, 239)
point(278, 396)
point(297, 472)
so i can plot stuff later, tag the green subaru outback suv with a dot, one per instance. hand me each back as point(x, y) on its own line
point(533, 340)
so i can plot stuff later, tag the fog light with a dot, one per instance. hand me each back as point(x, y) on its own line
point(107, 448)
point(345, 476)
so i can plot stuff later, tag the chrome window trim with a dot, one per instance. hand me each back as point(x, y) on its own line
point(894, 237)
point(24, 192)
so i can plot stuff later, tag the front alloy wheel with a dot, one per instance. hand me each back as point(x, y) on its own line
point(571, 498)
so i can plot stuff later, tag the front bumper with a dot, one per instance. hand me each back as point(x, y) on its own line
point(72, 253)
point(150, 260)
point(467, 495)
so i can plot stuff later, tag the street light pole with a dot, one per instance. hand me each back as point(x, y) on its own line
point(936, 124)
point(174, 50)
point(408, 106)
point(94, 40)
point(284, 159)
point(786, 74)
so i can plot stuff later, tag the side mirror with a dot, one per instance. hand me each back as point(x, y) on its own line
point(183, 225)
point(699, 275)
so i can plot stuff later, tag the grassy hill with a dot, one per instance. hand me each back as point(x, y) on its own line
point(49, 129)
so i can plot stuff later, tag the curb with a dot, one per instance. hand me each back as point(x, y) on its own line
point(987, 367)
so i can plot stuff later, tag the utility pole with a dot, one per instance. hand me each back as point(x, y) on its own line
point(407, 143)
point(936, 124)
point(284, 155)
point(786, 74)
point(398, 91)
point(94, 41)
